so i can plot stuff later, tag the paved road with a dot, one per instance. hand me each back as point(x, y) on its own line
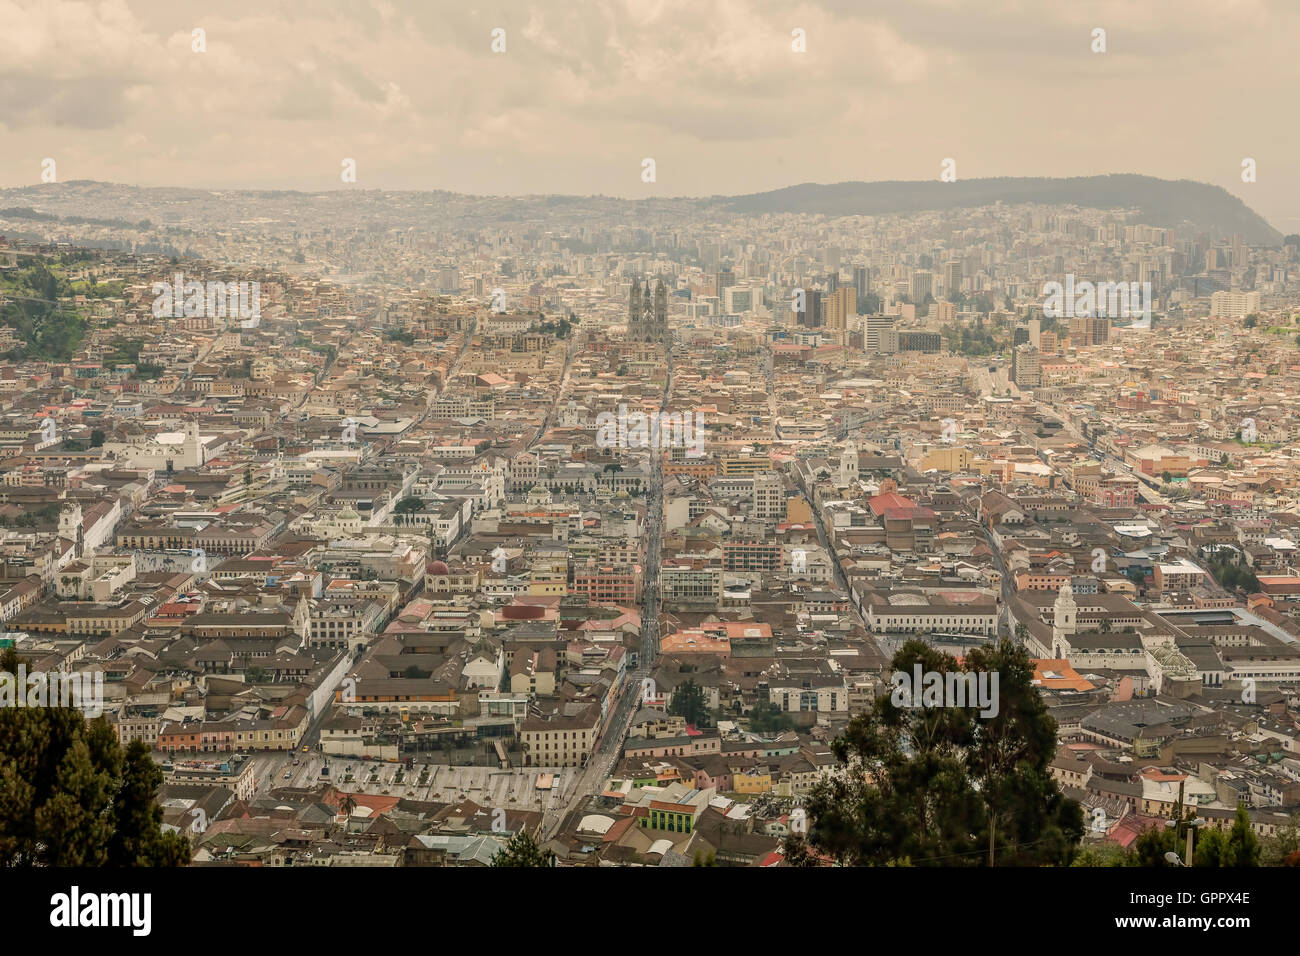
point(610, 746)
point(559, 392)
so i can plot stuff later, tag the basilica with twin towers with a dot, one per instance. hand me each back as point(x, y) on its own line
point(647, 312)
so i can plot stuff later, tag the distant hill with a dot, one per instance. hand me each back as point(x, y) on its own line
point(1181, 204)
point(1159, 202)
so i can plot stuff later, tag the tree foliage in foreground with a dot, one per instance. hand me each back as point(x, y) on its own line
point(1236, 847)
point(944, 786)
point(523, 850)
point(70, 795)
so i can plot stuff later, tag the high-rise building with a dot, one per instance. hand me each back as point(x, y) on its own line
point(1240, 254)
point(1026, 368)
point(1088, 330)
point(769, 497)
point(879, 336)
point(709, 254)
point(722, 280)
point(814, 315)
point(738, 299)
point(647, 313)
point(841, 306)
point(952, 275)
point(1232, 304)
point(861, 282)
point(922, 285)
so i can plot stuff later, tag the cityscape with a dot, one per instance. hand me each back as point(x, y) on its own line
point(949, 522)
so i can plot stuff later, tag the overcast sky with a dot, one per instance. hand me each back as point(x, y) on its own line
point(710, 89)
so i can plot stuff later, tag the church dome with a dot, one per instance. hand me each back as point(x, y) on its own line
point(439, 567)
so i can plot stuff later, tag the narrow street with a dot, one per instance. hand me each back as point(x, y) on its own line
point(610, 746)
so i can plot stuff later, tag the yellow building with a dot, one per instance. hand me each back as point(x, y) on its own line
point(755, 781)
point(734, 466)
point(797, 510)
point(950, 458)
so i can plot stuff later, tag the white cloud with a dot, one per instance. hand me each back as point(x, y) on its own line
point(711, 90)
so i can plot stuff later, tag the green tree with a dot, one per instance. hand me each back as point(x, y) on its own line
point(912, 780)
point(1103, 854)
point(1239, 847)
point(1242, 847)
point(1008, 761)
point(70, 795)
point(1152, 845)
point(1209, 848)
point(523, 850)
point(1284, 842)
point(767, 718)
point(689, 702)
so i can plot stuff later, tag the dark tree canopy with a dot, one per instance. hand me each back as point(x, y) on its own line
point(523, 850)
point(70, 795)
point(690, 703)
point(943, 785)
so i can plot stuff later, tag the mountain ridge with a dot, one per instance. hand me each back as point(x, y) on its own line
point(1158, 202)
point(1176, 204)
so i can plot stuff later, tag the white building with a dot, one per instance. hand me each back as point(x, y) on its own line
point(1233, 304)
